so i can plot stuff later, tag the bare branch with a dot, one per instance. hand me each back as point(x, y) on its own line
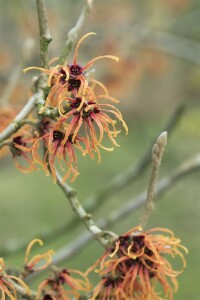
point(157, 154)
point(75, 31)
point(82, 214)
point(45, 36)
point(17, 122)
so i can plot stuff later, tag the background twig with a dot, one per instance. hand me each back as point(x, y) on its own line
point(16, 123)
point(75, 31)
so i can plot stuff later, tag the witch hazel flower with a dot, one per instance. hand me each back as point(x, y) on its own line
point(139, 263)
point(83, 117)
point(62, 152)
point(67, 80)
point(95, 117)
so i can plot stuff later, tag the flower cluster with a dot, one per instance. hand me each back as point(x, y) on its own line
point(83, 117)
point(135, 268)
point(137, 265)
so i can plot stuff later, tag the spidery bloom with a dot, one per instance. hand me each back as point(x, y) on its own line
point(64, 153)
point(63, 285)
point(65, 80)
point(139, 263)
point(83, 117)
point(8, 284)
point(95, 119)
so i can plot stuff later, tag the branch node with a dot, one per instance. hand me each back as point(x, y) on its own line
point(87, 217)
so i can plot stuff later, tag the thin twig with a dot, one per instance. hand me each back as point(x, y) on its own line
point(18, 121)
point(172, 44)
point(86, 218)
point(45, 36)
point(75, 31)
point(157, 154)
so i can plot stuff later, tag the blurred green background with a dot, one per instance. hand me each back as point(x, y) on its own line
point(158, 42)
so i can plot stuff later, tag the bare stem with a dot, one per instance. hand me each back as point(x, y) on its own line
point(18, 121)
point(171, 44)
point(75, 31)
point(86, 218)
point(157, 154)
point(45, 36)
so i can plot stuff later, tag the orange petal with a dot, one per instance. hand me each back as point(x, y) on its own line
point(79, 43)
point(91, 62)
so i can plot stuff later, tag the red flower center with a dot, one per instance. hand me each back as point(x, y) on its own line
point(75, 70)
point(18, 140)
point(58, 135)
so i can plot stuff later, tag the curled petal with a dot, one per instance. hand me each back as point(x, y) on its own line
point(91, 62)
point(78, 45)
point(30, 246)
